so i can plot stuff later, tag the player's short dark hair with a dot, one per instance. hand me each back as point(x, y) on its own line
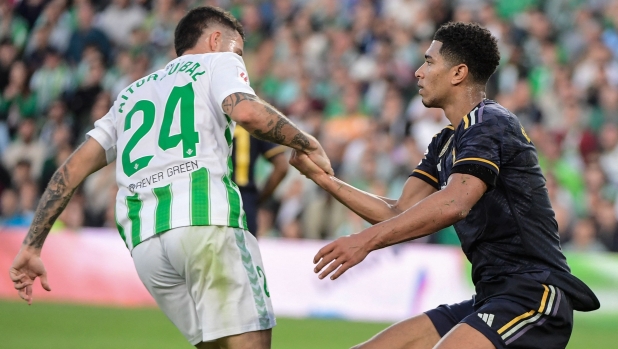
point(192, 25)
point(472, 45)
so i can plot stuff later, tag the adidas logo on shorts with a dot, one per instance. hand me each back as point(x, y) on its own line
point(488, 318)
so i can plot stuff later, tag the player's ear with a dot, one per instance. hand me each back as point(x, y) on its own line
point(459, 73)
point(214, 41)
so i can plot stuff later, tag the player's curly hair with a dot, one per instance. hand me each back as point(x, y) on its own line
point(192, 25)
point(472, 45)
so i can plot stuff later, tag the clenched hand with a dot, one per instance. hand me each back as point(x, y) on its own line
point(305, 165)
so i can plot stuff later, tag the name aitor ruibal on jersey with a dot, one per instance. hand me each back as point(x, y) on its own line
point(172, 144)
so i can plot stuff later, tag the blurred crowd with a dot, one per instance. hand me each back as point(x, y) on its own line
point(343, 71)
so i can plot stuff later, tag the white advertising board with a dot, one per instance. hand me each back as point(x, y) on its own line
point(94, 267)
point(389, 285)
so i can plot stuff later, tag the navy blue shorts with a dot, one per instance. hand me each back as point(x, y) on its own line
point(535, 320)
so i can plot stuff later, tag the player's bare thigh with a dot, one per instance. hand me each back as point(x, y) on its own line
point(248, 340)
point(464, 336)
point(414, 333)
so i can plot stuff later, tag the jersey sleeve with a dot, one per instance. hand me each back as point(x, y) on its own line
point(104, 132)
point(427, 169)
point(229, 75)
point(477, 151)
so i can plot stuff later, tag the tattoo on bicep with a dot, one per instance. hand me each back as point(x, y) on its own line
point(54, 200)
point(234, 99)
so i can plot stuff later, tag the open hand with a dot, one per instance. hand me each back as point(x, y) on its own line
point(26, 267)
point(341, 255)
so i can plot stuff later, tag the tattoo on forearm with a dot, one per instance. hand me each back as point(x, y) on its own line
point(234, 99)
point(274, 134)
point(271, 133)
point(301, 141)
point(54, 200)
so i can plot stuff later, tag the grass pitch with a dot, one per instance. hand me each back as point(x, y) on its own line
point(60, 326)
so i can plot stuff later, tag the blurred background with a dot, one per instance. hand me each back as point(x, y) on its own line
point(344, 72)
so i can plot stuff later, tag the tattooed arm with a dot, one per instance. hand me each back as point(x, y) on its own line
point(88, 158)
point(265, 122)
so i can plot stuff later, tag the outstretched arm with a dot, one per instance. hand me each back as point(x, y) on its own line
point(373, 208)
point(437, 211)
point(88, 158)
point(265, 122)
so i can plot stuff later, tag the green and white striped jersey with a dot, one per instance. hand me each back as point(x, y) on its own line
point(175, 146)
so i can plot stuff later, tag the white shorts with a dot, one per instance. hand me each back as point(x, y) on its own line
point(209, 280)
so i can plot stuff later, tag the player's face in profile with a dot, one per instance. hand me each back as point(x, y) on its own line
point(433, 79)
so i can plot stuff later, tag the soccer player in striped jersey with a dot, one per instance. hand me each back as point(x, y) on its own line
point(482, 175)
point(177, 208)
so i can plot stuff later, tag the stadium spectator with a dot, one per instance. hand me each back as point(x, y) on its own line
point(11, 216)
point(34, 54)
point(21, 173)
point(584, 239)
point(119, 19)
point(52, 79)
point(160, 25)
point(609, 145)
point(97, 201)
point(12, 25)
point(59, 22)
point(86, 34)
point(53, 162)
point(57, 116)
point(8, 55)
point(17, 101)
point(100, 106)
point(26, 147)
point(81, 100)
point(607, 224)
point(72, 218)
point(30, 10)
point(28, 198)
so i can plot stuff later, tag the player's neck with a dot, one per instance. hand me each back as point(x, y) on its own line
point(462, 103)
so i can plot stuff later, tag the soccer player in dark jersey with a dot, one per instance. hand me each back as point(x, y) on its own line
point(480, 174)
point(246, 150)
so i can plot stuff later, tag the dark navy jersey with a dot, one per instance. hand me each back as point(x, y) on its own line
point(511, 229)
point(245, 152)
